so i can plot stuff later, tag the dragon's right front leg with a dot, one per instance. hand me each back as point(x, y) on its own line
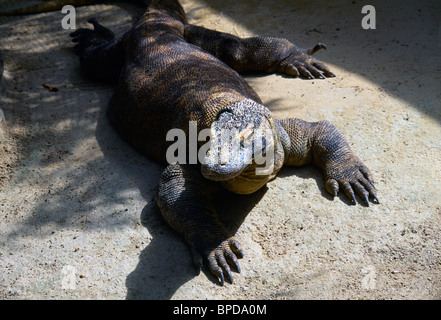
point(266, 54)
point(184, 199)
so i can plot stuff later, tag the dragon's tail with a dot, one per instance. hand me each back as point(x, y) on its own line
point(53, 5)
point(172, 6)
point(46, 6)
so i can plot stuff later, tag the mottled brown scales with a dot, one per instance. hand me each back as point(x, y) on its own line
point(168, 73)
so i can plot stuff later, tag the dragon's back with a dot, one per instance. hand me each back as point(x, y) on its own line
point(167, 82)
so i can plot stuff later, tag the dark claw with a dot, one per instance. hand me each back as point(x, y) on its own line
point(221, 279)
point(197, 260)
point(375, 197)
point(230, 276)
point(323, 69)
point(293, 71)
point(354, 201)
point(366, 199)
point(92, 20)
point(235, 246)
point(304, 72)
point(225, 268)
point(236, 264)
point(332, 187)
point(233, 261)
point(316, 48)
point(316, 72)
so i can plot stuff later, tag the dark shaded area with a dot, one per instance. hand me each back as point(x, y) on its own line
point(166, 263)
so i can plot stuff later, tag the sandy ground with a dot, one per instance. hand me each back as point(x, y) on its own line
point(78, 219)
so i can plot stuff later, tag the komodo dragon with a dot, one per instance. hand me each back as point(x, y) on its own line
point(169, 73)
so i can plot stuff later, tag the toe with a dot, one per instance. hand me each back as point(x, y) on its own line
point(347, 189)
point(324, 69)
point(291, 70)
point(315, 72)
point(369, 186)
point(304, 72)
point(232, 260)
point(235, 246)
point(361, 191)
point(197, 260)
point(215, 269)
point(332, 187)
point(224, 265)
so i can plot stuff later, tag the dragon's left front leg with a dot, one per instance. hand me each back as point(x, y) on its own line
point(324, 145)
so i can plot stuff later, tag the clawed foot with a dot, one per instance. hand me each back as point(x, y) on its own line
point(351, 175)
point(87, 38)
point(301, 63)
point(220, 257)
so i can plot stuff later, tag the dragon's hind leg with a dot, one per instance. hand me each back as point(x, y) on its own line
point(88, 39)
point(101, 56)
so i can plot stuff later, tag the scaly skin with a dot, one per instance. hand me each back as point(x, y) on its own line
point(324, 145)
point(184, 197)
point(170, 73)
point(265, 54)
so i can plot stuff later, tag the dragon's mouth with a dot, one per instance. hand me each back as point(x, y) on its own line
point(238, 143)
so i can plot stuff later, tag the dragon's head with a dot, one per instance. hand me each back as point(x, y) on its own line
point(244, 150)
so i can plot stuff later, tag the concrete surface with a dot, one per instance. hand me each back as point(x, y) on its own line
point(78, 220)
